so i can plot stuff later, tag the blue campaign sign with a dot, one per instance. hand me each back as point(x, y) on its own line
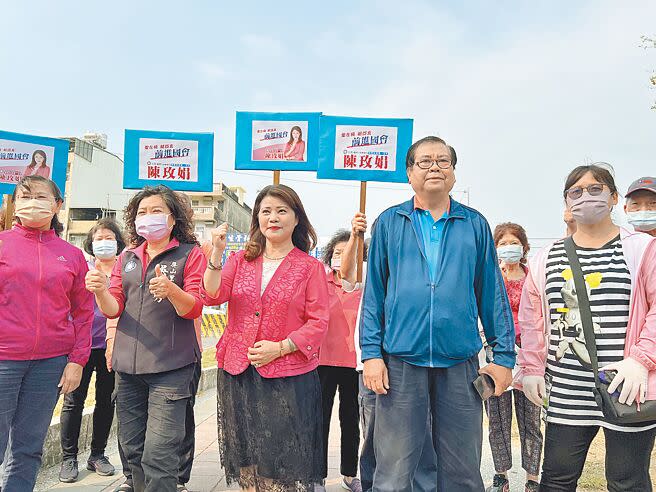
point(364, 149)
point(29, 155)
point(277, 141)
point(181, 161)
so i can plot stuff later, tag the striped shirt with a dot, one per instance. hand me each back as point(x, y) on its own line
point(569, 375)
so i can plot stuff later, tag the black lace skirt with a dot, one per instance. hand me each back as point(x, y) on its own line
point(270, 433)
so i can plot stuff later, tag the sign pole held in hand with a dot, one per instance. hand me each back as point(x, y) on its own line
point(363, 206)
point(363, 149)
point(276, 177)
point(9, 212)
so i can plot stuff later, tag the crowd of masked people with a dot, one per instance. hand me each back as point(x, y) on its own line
point(450, 320)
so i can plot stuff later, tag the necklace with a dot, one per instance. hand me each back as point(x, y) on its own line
point(275, 259)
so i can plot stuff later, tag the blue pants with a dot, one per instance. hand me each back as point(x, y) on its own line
point(425, 479)
point(446, 396)
point(28, 395)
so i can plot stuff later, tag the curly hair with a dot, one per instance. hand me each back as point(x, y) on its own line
point(517, 231)
point(24, 184)
point(304, 237)
point(183, 229)
point(341, 236)
point(109, 224)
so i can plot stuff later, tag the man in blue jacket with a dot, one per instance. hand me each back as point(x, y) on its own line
point(433, 272)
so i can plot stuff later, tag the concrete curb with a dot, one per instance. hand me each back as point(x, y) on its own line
point(52, 454)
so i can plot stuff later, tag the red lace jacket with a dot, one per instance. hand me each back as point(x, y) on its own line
point(294, 305)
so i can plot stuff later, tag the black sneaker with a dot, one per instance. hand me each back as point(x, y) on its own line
point(68, 471)
point(531, 486)
point(499, 484)
point(100, 465)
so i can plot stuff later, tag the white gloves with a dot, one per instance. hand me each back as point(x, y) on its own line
point(534, 389)
point(633, 375)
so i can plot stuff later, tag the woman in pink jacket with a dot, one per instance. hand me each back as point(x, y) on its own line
point(269, 396)
point(38, 166)
point(45, 326)
point(619, 268)
point(295, 148)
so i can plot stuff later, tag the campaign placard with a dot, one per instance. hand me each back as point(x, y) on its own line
point(181, 161)
point(364, 149)
point(29, 155)
point(277, 141)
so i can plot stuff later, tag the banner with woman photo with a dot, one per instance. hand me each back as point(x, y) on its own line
point(277, 141)
point(29, 155)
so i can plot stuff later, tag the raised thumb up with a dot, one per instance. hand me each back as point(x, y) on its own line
point(98, 263)
point(158, 271)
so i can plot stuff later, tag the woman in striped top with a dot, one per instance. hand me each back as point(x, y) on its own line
point(619, 268)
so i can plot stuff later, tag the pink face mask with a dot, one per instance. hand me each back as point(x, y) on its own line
point(589, 209)
point(153, 227)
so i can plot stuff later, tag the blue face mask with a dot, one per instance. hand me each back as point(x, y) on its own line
point(510, 253)
point(104, 249)
point(643, 220)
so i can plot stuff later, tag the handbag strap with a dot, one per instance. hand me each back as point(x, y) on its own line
point(584, 305)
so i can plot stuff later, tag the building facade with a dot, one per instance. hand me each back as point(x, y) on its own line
point(223, 204)
point(94, 189)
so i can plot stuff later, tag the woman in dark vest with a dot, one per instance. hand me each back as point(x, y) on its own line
point(154, 289)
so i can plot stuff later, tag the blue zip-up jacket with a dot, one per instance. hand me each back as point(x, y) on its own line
point(435, 323)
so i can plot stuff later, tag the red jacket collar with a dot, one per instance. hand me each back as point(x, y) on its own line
point(140, 250)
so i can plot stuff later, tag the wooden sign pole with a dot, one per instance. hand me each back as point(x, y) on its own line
point(363, 206)
point(276, 177)
point(9, 212)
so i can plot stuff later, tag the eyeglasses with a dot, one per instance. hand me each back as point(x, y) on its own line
point(428, 163)
point(593, 190)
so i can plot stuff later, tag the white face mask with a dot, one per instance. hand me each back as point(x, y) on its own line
point(335, 263)
point(510, 253)
point(642, 220)
point(104, 249)
point(34, 212)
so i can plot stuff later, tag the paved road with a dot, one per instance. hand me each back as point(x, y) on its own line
point(207, 476)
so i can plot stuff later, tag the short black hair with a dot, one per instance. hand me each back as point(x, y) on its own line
point(109, 224)
point(410, 156)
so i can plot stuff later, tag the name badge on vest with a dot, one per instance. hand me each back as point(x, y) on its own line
point(130, 265)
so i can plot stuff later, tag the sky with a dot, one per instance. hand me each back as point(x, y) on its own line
point(524, 91)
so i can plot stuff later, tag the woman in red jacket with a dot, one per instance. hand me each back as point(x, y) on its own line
point(45, 326)
point(154, 291)
point(269, 396)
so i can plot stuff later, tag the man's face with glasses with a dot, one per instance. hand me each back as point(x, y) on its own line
point(432, 171)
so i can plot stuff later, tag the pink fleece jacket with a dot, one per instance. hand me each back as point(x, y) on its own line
point(45, 309)
point(640, 343)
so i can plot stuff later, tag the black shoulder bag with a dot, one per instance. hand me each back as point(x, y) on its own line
point(614, 411)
